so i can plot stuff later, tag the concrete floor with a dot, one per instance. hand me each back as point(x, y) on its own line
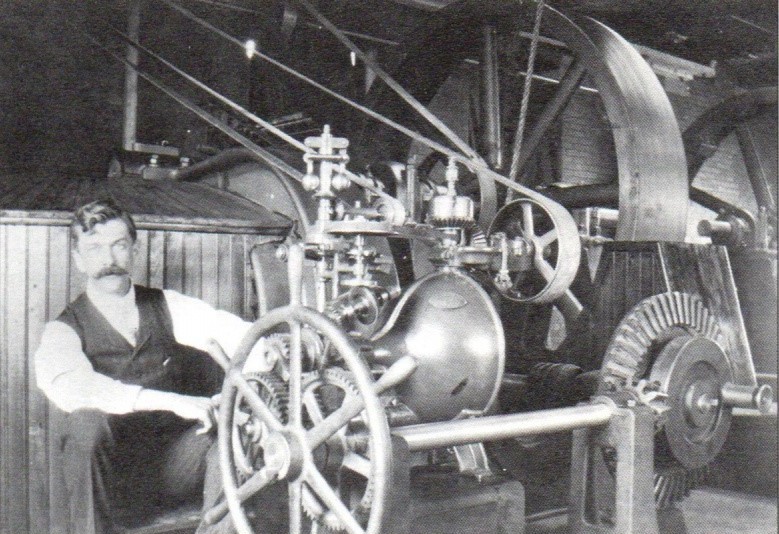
point(705, 511)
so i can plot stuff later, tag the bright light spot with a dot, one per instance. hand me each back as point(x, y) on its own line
point(251, 47)
point(353, 59)
point(481, 345)
point(427, 341)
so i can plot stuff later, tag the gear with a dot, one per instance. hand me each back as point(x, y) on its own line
point(669, 345)
point(248, 430)
point(323, 393)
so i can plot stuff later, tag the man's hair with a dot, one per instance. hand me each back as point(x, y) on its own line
point(97, 212)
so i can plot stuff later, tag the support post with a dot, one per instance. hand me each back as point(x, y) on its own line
point(623, 503)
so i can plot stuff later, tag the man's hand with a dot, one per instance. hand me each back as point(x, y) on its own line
point(185, 406)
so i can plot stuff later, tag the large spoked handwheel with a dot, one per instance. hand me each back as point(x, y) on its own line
point(554, 247)
point(290, 449)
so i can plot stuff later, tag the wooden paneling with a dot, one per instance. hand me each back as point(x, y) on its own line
point(37, 279)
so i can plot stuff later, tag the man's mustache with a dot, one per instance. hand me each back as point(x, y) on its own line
point(112, 270)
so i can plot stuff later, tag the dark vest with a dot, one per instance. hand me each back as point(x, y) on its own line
point(157, 361)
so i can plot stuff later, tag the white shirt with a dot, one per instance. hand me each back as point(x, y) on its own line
point(66, 376)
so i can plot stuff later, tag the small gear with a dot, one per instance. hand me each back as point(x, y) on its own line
point(635, 345)
point(248, 429)
point(319, 401)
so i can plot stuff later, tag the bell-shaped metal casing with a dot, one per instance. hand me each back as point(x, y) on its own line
point(449, 324)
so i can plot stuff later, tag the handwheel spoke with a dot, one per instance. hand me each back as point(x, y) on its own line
point(323, 490)
point(312, 406)
point(255, 483)
point(295, 375)
point(351, 407)
point(256, 403)
point(295, 507)
point(528, 228)
point(357, 463)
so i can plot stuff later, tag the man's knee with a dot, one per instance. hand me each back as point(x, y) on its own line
point(84, 431)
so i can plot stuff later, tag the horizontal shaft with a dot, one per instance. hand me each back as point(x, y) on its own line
point(496, 427)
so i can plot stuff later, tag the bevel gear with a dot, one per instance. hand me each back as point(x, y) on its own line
point(249, 430)
point(329, 389)
point(658, 332)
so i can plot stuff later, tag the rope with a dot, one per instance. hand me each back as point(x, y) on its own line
point(520, 133)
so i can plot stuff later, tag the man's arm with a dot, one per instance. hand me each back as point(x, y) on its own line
point(67, 378)
point(195, 323)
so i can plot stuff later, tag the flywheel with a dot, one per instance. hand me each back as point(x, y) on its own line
point(674, 343)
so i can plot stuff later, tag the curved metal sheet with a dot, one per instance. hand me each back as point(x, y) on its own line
point(653, 186)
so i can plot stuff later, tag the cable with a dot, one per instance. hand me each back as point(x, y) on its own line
point(520, 133)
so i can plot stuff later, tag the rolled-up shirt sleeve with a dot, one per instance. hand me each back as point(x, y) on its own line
point(66, 376)
point(195, 323)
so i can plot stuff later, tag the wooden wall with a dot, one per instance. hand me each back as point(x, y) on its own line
point(37, 280)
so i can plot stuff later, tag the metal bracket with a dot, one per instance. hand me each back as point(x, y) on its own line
point(623, 503)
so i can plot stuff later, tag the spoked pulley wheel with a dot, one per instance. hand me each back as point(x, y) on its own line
point(288, 450)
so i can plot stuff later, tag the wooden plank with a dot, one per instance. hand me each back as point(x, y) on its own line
point(174, 261)
point(210, 269)
point(37, 309)
point(4, 415)
point(59, 296)
point(192, 256)
point(249, 291)
point(224, 274)
point(156, 277)
point(236, 265)
point(14, 501)
point(140, 272)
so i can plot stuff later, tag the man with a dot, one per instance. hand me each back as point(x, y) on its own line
point(137, 397)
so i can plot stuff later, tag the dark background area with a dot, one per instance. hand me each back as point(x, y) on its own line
point(62, 97)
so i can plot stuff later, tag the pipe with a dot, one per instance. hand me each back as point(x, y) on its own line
point(492, 137)
point(496, 427)
point(223, 161)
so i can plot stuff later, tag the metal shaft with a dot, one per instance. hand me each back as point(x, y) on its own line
point(496, 427)
point(131, 79)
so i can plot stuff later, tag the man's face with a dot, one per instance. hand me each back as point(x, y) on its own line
point(105, 255)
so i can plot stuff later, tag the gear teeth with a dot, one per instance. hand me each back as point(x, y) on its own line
point(666, 310)
point(698, 314)
point(628, 358)
point(620, 370)
point(687, 301)
point(658, 314)
point(680, 309)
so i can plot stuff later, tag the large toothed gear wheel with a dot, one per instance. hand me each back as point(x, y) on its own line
point(342, 459)
point(672, 342)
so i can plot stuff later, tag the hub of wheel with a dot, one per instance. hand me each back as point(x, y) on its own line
point(691, 370)
point(283, 454)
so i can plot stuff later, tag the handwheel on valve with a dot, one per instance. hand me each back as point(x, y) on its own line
point(289, 448)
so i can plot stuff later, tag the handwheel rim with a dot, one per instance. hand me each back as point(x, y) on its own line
point(378, 429)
